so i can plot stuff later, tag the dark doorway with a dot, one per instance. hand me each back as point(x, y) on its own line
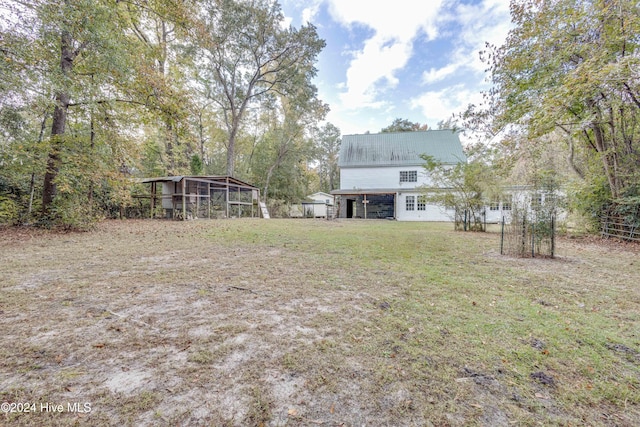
point(350, 203)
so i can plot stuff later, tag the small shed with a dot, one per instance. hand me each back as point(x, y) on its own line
point(318, 205)
point(192, 197)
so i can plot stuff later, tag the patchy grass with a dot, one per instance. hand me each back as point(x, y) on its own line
point(302, 322)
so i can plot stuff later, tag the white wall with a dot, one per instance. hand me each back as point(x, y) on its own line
point(496, 216)
point(316, 210)
point(431, 213)
point(380, 177)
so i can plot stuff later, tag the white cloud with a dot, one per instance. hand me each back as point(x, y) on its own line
point(304, 11)
point(373, 79)
point(286, 22)
point(442, 104)
point(309, 13)
point(436, 75)
point(475, 33)
point(374, 67)
point(472, 36)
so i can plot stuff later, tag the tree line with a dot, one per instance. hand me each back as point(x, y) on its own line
point(97, 92)
point(563, 111)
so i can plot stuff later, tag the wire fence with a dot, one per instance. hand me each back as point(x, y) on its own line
point(470, 220)
point(526, 237)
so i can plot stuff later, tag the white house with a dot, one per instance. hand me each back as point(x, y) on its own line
point(383, 175)
point(527, 199)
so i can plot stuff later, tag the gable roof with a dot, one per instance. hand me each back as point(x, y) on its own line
point(400, 148)
point(319, 194)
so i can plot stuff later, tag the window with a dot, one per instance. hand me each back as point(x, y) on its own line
point(494, 205)
point(536, 201)
point(506, 204)
point(408, 176)
point(422, 203)
point(411, 203)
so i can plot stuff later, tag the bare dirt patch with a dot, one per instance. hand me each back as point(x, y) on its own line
point(312, 323)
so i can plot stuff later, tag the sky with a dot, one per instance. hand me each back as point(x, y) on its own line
point(412, 59)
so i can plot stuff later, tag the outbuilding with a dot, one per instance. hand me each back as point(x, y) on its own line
point(192, 197)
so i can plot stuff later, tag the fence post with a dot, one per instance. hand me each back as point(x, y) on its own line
point(553, 236)
point(533, 240)
point(502, 237)
point(524, 235)
point(484, 214)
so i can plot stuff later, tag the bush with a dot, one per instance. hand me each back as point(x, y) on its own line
point(590, 202)
point(9, 211)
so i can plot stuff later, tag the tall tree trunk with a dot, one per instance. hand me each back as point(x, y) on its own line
point(231, 155)
point(267, 181)
point(606, 162)
point(58, 127)
point(168, 141)
point(332, 178)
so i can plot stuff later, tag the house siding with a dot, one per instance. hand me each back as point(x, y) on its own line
point(432, 212)
point(381, 177)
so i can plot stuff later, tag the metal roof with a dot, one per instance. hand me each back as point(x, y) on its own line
point(213, 179)
point(400, 148)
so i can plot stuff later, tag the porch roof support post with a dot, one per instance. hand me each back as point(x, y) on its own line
point(184, 199)
point(227, 198)
point(364, 202)
point(153, 199)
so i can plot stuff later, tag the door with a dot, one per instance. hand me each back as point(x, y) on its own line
point(350, 207)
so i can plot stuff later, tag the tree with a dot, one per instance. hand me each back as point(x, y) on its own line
point(327, 143)
point(81, 83)
point(249, 56)
point(95, 90)
point(573, 66)
point(466, 187)
point(70, 54)
point(286, 140)
point(158, 29)
point(449, 123)
point(404, 125)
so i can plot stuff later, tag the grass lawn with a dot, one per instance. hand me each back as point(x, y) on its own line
point(310, 322)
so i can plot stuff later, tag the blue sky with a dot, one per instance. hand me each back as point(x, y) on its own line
point(412, 59)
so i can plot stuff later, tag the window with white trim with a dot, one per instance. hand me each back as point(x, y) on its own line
point(506, 204)
point(408, 176)
point(422, 203)
point(410, 203)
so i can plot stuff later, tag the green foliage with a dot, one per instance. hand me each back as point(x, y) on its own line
point(9, 212)
point(628, 206)
point(571, 66)
point(327, 145)
point(590, 200)
point(465, 187)
point(97, 91)
point(250, 57)
point(196, 165)
point(404, 125)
